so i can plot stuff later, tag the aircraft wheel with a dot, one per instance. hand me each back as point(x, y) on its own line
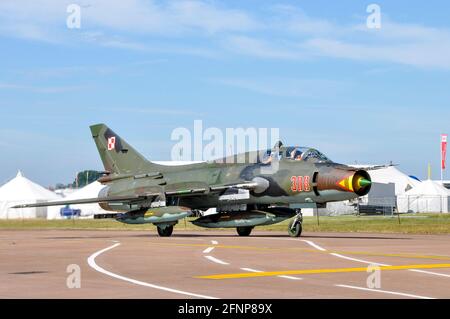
point(165, 232)
point(244, 231)
point(295, 230)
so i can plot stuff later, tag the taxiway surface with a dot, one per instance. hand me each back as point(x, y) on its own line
point(191, 264)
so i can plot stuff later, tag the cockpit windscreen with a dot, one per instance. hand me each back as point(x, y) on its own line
point(296, 153)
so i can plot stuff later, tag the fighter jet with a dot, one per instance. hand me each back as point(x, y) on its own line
point(247, 190)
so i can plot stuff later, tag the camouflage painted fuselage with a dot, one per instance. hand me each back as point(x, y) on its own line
point(193, 185)
point(248, 189)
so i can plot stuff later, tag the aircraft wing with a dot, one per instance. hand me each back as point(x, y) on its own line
point(110, 199)
point(374, 167)
point(139, 198)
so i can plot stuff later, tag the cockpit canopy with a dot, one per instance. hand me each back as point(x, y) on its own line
point(290, 153)
point(297, 153)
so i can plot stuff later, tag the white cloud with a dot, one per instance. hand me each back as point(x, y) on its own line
point(410, 45)
point(404, 32)
point(41, 89)
point(431, 55)
point(156, 111)
point(87, 70)
point(210, 18)
point(137, 16)
point(260, 48)
point(157, 48)
point(204, 28)
point(287, 87)
point(294, 20)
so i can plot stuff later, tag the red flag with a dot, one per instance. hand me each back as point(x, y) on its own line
point(444, 149)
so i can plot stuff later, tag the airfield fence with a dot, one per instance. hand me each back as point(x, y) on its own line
point(424, 203)
point(388, 206)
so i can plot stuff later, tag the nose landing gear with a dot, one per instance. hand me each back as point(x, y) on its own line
point(295, 226)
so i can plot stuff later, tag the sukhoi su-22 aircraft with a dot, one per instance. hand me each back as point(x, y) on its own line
point(249, 189)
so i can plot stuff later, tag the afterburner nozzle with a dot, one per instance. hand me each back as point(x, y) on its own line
point(364, 182)
point(358, 182)
point(361, 183)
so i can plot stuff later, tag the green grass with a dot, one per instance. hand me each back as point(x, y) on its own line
point(410, 224)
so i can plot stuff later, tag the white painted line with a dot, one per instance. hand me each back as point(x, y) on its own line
point(282, 276)
point(290, 277)
point(208, 250)
point(251, 270)
point(314, 245)
point(385, 291)
point(429, 272)
point(217, 261)
point(91, 262)
point(358, 260)
point(354, 259)
point(375, 263)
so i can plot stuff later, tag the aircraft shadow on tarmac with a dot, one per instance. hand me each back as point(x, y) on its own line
point(206, 235)
point(270, 236)
point(84, 237)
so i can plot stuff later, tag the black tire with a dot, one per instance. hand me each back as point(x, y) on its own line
point(296, 230)
point(244, 231)
point(165, 232)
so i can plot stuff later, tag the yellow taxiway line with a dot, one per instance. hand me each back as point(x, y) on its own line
point(318, 271)
point(365, 253)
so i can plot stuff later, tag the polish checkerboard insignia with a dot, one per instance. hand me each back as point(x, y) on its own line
point(111, 143)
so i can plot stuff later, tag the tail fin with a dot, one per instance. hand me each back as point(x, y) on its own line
point(117, 155)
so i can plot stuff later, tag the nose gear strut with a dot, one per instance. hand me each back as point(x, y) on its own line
point(295, 226)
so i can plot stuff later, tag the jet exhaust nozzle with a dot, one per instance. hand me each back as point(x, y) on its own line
point(362, 183)
point(358, 182)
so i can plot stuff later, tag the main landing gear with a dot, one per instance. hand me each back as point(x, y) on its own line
point(165, 231)
point(244, 231)
point(295, 226)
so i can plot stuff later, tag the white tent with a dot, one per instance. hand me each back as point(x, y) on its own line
point(380, 177)
point(427, 197)
point(391, 174)
point(20, 190)
point(87, 210)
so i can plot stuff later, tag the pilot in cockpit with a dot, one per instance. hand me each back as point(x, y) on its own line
point(296, 154)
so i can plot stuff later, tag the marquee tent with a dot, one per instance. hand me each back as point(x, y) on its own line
point(20, 190)
point(87, 210)
point(427, 197)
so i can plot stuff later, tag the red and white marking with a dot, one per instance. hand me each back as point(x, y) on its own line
point(111, 143)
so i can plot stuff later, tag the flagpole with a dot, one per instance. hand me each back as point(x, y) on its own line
point(444, 138)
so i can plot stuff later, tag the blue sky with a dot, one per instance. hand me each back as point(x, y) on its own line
point(311, 68)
